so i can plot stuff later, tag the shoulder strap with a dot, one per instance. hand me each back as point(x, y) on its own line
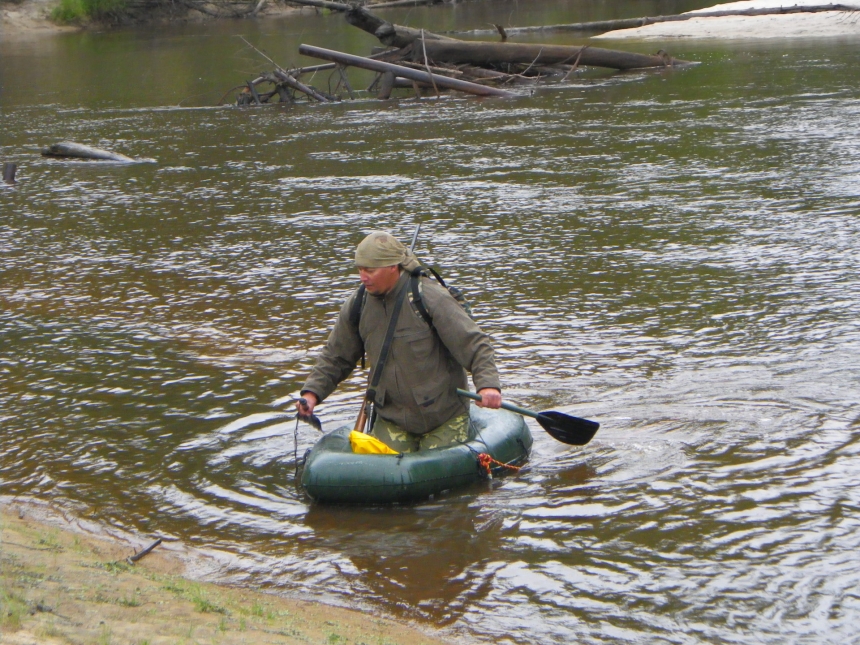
point(416, 295)
point(386, 345)
point(437, 276)
point(355, 314)
point(357, 306)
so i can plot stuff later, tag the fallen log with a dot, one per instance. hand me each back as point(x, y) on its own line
point(66, 149)
point(451, 50)
point(484, 54)
point(323, 4)
point(405, 72)
point(599, 26)
point(404, 3)
point(388, 33)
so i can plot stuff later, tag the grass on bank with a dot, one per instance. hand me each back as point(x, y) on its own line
point(75, 11)
point(57, 587)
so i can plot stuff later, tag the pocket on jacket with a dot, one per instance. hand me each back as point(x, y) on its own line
point(427, 394)
point(422, 345)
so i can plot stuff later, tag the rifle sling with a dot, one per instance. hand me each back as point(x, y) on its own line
point(386, 345)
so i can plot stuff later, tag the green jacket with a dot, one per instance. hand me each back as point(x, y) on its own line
point(425, 366)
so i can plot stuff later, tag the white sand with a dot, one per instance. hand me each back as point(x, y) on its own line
point(823, 24)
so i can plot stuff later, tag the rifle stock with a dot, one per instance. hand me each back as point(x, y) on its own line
point(361, 420)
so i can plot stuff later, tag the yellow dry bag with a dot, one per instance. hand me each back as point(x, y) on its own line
point(364, 444)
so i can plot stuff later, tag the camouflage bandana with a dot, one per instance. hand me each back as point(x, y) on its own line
point(382, 249)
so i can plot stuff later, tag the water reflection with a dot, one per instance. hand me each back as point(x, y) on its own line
point(672, 254)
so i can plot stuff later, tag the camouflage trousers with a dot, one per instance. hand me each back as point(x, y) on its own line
point(454, 430)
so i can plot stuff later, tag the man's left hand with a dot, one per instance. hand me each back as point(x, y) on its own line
point(490, 398)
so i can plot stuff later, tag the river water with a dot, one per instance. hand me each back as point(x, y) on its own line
point(672, 253)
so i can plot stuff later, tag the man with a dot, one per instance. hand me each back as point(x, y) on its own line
point(416, 403)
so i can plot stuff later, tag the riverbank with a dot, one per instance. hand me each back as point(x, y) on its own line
point(29, 16)
point(64, 580)
point(26, 17)
point(824, 24)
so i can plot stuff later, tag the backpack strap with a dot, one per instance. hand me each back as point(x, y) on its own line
point(355, 315)
point(438, 277)
point(416, 294)
point(357, 306)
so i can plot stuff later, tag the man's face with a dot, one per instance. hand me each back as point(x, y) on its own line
point(379, 281)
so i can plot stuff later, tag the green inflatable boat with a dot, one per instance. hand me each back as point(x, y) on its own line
point(333, 473)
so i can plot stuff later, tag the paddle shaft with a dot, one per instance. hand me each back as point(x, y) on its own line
point(505, 406)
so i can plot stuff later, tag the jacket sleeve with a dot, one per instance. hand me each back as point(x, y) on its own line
point(338, 358)
point(469, 346)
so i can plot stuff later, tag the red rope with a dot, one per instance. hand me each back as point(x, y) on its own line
point(486, 461)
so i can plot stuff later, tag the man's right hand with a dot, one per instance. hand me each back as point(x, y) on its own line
point(307, 403)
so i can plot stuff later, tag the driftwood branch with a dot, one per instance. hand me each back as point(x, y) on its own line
point(420, 59)
point(287, 79)
point(405, 72)
point(137, 556)
point(254, 93)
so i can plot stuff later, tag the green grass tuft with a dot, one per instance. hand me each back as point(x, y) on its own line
point(12, 609)
point(73, 11)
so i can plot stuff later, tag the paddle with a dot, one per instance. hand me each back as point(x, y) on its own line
point(310, 419)
point(565, 428)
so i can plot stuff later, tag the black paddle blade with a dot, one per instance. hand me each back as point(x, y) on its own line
point(568, 429)
point(310, 419)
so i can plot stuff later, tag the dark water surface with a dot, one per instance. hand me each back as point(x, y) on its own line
point(672, 253)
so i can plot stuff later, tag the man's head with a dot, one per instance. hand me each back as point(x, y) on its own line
point(379, 257)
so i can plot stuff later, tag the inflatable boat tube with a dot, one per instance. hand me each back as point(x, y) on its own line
point(333, 473)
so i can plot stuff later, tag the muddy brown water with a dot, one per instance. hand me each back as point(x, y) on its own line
point(673, 253)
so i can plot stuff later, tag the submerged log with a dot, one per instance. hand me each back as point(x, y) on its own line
point(386, 84)
point(71, 149)
point(484, 54)
point(405, 72)
point(9, 170)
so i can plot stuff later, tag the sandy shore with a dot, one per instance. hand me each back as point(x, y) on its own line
point(18, 18)
point(61, 583)
point(825, 24)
